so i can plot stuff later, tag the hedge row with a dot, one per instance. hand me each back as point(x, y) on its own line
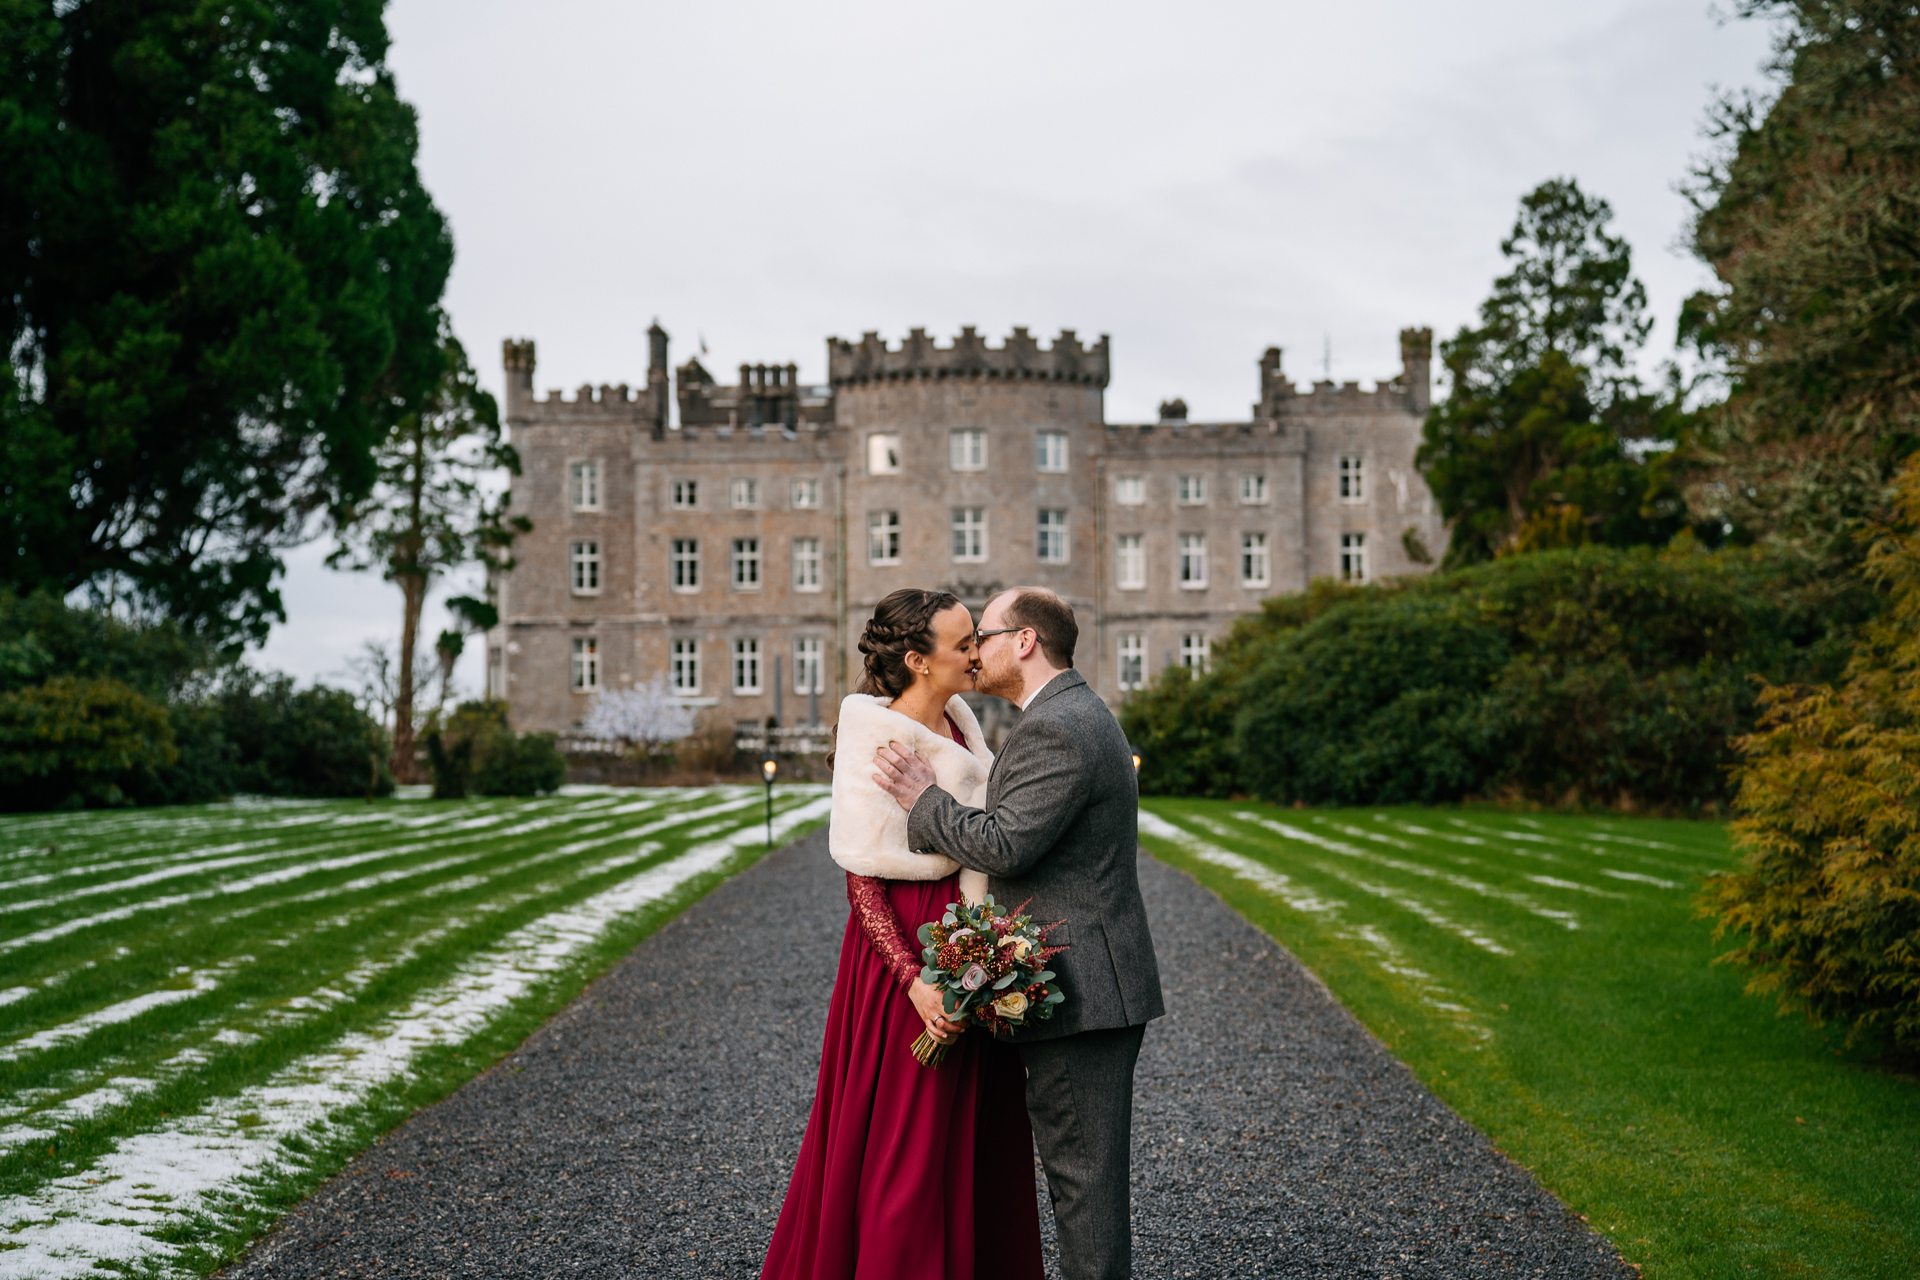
point(99, 712)
point(1594, 675)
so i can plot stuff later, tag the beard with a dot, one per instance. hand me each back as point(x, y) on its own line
point(1000, 678)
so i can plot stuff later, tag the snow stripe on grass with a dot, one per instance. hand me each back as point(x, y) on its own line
point(206, 1166)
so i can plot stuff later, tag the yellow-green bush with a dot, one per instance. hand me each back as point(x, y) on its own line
point(76, 741)
point(1825, 904)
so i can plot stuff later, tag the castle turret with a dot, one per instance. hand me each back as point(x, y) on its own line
point(1416, 368)
point(516, 356)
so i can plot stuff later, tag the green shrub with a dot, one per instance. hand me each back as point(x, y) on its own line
point(313, 742)
point(477, 752)
point(1826, 900)
point(76, 741)
point(1588, 675)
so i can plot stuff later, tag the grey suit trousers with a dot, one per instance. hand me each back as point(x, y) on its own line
point(1080, 1099)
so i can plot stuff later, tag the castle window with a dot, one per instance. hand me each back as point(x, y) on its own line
point(1253, 560)
point(1253, 489)
point(1133, 662)
point(586, 664)
point(1131, 574)
point(685, 494)
point(1353, 557)
point(585, 559)
point(805, 495)
point(686, 666)
point(967, 450)
point(746, 666)
point(883, 455)
point(1050, 451)
point(746, 564)
point(1051, 542)
point(1193, 653)
point(969, 534)
point(743, 495)
point(806, 564)
point(1130, 491)
point(1191, 491)
point(1352, 480)
point(1193, 561)
point(806, 665)
point(883, 537)
point(583, 484)
point(686, 564)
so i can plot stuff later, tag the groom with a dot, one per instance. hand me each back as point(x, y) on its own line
point(1059, 828)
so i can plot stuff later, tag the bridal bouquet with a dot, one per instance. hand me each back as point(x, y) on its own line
point(990, 967)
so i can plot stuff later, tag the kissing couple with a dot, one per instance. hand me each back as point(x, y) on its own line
point(912, 1172)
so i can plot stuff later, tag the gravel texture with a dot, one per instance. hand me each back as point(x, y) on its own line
point(648, 1129)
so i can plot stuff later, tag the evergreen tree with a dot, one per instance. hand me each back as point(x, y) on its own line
point(1526, 450)
point(1807, 214)
point(218, 280)
point(429, 512)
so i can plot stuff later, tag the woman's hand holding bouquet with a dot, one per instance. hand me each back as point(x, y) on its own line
point(989, 967)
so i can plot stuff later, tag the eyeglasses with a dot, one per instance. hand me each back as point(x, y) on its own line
point(980, 637)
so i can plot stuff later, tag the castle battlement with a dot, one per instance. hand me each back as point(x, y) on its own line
point(1021, 357)
point(615, 398)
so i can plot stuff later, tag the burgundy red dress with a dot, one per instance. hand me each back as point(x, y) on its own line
point(907, 1172)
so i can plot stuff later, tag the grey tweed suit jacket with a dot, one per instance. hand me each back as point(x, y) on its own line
point(1061, 827)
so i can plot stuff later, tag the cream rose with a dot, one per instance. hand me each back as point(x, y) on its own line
point(1011, 1005)
point(1020, 947)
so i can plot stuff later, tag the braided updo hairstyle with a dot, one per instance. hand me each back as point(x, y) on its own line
point(901, 624)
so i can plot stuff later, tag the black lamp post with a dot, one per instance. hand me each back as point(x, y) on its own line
point(769, 767)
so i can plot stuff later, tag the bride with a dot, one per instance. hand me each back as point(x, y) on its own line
point(907, 1172)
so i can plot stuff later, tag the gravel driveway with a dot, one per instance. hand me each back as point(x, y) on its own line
point(648, 1129)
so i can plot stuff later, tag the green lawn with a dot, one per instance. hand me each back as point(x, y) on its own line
point(206, 1011)
point(1544, 975)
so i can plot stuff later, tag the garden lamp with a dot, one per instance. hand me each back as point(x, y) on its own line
point(768, 768)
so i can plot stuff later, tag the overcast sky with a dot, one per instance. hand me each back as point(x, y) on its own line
point(1199, 181)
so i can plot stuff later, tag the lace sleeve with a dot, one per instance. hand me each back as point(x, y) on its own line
point(868, 898)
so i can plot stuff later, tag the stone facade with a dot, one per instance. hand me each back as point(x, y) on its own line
point(741, 548)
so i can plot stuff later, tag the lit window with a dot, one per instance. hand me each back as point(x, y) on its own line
point(969, 533)
point(883, 537)
point(746, 666)
point(1191, 491)
point(1132, 574)
point(1253, 489)
point(583, 482)
point(1193, 652)
point(806, 665)
point(805, 495)
point(1353, 557)
point(1253, 560)
point(686, 666)
point(586, 664)
point(1133, 662)
point(686, 564)
point(743, 495)
point(585, 558)
point(1052, 540)
point(1352, 480)
point(746, 564)
point(967, 450)
point(806, 564)
point(1129, 491)
point(1193, 561)
point(685, 494)
point(1050, 451)
point(883, 455)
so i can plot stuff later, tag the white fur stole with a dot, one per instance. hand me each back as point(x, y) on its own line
point(868, 831)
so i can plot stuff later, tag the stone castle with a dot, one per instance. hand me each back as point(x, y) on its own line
point(738, 545)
